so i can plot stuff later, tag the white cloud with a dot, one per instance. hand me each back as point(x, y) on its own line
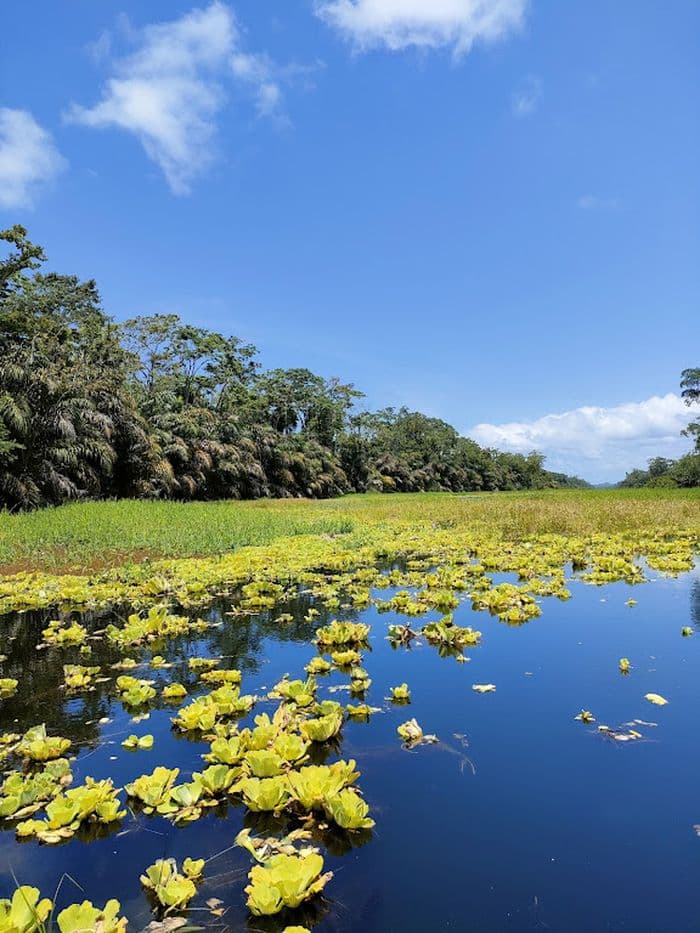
point(258, 72)
point(399, 24)
point(593, 202)
point(527, 98)
point(598, 443)
point(169, 90)
point(28, 158)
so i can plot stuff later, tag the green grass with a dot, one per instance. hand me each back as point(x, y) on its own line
point(99, 534)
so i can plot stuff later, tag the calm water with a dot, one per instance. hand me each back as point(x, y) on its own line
point(520, 819)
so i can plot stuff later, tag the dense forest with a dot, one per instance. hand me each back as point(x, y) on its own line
point(662, 472)
point(153, 407)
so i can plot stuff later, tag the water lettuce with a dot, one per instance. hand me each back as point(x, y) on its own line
point(172, 890)
point(285, 881)
point(38, 746)
point(348, 810)
point(343, 633)
point(264, 795)
point(85, 917)
point(25, 913)
point(153, 790)
point(322, 728)
point(133, 742)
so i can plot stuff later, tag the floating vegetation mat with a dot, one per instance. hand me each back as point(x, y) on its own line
point(417, 729)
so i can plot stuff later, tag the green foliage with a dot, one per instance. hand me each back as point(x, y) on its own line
point(134, 743)
point(36, 745)
point(313, 785)
point(94, 802)
point(343, 633)
point(153, 790)
point(172, 889)
point(348, 810)
point(264, 794)
point(85, 917)
point(285, 881)
point(401, 694)
point(684, 472)
point(25, 913)
point(323, 727)
point(159, 408)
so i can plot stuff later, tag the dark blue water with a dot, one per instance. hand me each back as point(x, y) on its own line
point(519, 819)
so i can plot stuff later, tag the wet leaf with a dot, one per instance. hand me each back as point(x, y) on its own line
point(656, 699)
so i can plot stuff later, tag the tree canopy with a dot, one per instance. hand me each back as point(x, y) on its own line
point(684, 472)
point(155, 407)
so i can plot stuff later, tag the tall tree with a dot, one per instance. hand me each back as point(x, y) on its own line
point(690, 392)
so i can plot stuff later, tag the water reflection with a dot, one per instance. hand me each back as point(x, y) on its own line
point(543, 811)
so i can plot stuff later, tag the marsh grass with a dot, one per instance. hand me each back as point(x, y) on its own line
point(94, 535)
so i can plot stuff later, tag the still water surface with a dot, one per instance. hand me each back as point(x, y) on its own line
point(519, 819)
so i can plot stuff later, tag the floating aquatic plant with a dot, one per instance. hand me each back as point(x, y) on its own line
point(174, 692)
point(264, 794)
point(318, 666)
point(22, 794)
point(85, 918)
point(300, 692)
point(401, 635)
point(312, 785)
point(77, 677)
point(221, 676)
point(94, 802)
point(511, 603)
point(585, 716)
point(133, 742)
point(153, 790)
point(25, 913)
point(203, 664)
point(625, 665)
point(448, 635)
point(343, 633)
point(484, 688)
point(62, 634)
point(400, 694)
point(264, 763)
point(322, 728)
point(173, 890)
point(226, 751)
point(361, 711)
point(263, 848)
point(348, 810)
point(8, 686)
point(346, 658)
point(156, 624)
point(359, 680)
point(412, 734)
point(134, 692)
point(285, 881)
point(36, 745)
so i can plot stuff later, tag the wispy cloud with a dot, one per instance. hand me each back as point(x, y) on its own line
point(526, 99)
point(170, 89)
point(400, 24)
point(28, 158)
point(600, 443)
point(593, 202)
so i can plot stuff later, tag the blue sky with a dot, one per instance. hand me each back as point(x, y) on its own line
point(488, 210)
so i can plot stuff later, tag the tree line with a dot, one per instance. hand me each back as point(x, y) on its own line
point(684, 472)
point(154, 407)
